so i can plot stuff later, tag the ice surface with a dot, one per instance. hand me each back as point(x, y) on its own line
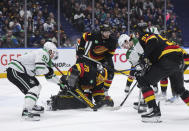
point(174, 116)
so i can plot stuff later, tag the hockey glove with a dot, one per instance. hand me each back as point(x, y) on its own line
point(50, 74)
point(136, 73)
point(64, 87)
point(63, 79)
point(100, 69)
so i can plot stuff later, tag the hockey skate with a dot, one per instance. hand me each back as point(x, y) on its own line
point(38, 109)
point(155, 88)
point(30, 116)
point(142, 107)
point(105, 102)
point(127, 88)
point(162, 96)
point(109, 101)
point(153, 115)
point(173, 99)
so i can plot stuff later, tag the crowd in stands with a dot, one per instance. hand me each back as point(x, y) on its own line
point(115, 13)
point(41, 24)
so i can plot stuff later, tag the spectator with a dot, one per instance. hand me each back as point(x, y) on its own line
point(175, 39)
point(10, 40)
point(1, 44)
point(148, 4)
point(79, 20)
point(52, 19)
point(48, 26)
point(21, 12)
point(35, 39)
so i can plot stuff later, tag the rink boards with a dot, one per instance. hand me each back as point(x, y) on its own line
point(67, 58)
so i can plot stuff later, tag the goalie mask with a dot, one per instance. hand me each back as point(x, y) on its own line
point(51, 49)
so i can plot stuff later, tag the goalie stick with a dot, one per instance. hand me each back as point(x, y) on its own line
point(84, 99)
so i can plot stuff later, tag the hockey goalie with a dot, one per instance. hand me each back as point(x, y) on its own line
point(89, 77)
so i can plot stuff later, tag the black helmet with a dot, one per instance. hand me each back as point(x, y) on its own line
point(105, 27)
point(140, 28)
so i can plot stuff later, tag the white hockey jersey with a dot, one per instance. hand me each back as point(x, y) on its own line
point(134, 53)
point(32, 63)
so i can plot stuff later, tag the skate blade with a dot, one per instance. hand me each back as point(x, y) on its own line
point(152, 120)
point(140, 108)
point(115, 108)
point(37, 112)
point(26, 118)
point(142, 111)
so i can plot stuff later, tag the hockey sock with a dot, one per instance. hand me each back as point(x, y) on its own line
point(149, 98)
point(129, 81)
point(164, 84)
point(31, 97)
point(185, 97)
point(30, 100)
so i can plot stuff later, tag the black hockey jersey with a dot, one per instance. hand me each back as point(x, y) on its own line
point(93, 46)
point(156, 46)
point(88, 75)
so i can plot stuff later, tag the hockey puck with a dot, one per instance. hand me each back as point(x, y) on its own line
point(94, 109)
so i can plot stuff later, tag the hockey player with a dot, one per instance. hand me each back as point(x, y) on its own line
point(88, 75)
point(133, 54)
point(139, 52)
point(22, 73)
point(99, 46)
point(167, 61)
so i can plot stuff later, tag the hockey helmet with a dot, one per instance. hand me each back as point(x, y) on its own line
point(140, 28)
point(153, 30)
point(51, 48)
point(123, 39)
point(105, 27)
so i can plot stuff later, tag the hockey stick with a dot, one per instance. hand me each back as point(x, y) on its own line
point(122, 71)
point(118, 107)
point(139, 97)
point(117, 71)
point(187, 81)
point(84, 99)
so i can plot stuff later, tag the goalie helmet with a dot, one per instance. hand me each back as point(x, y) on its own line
point(51, 49)
point(122, 39)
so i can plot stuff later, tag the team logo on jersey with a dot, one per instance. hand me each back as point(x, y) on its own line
point(100, 49)
point(32, 81)
point(96, 41)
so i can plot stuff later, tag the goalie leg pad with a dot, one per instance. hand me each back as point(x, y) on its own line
point(65, 101)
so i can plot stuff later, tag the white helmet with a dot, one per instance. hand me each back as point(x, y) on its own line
point(122, 39)
point(50, 46)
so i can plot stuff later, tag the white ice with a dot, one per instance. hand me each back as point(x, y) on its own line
point(174, 116)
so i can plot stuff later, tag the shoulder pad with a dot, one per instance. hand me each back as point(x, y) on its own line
point(148, 37)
